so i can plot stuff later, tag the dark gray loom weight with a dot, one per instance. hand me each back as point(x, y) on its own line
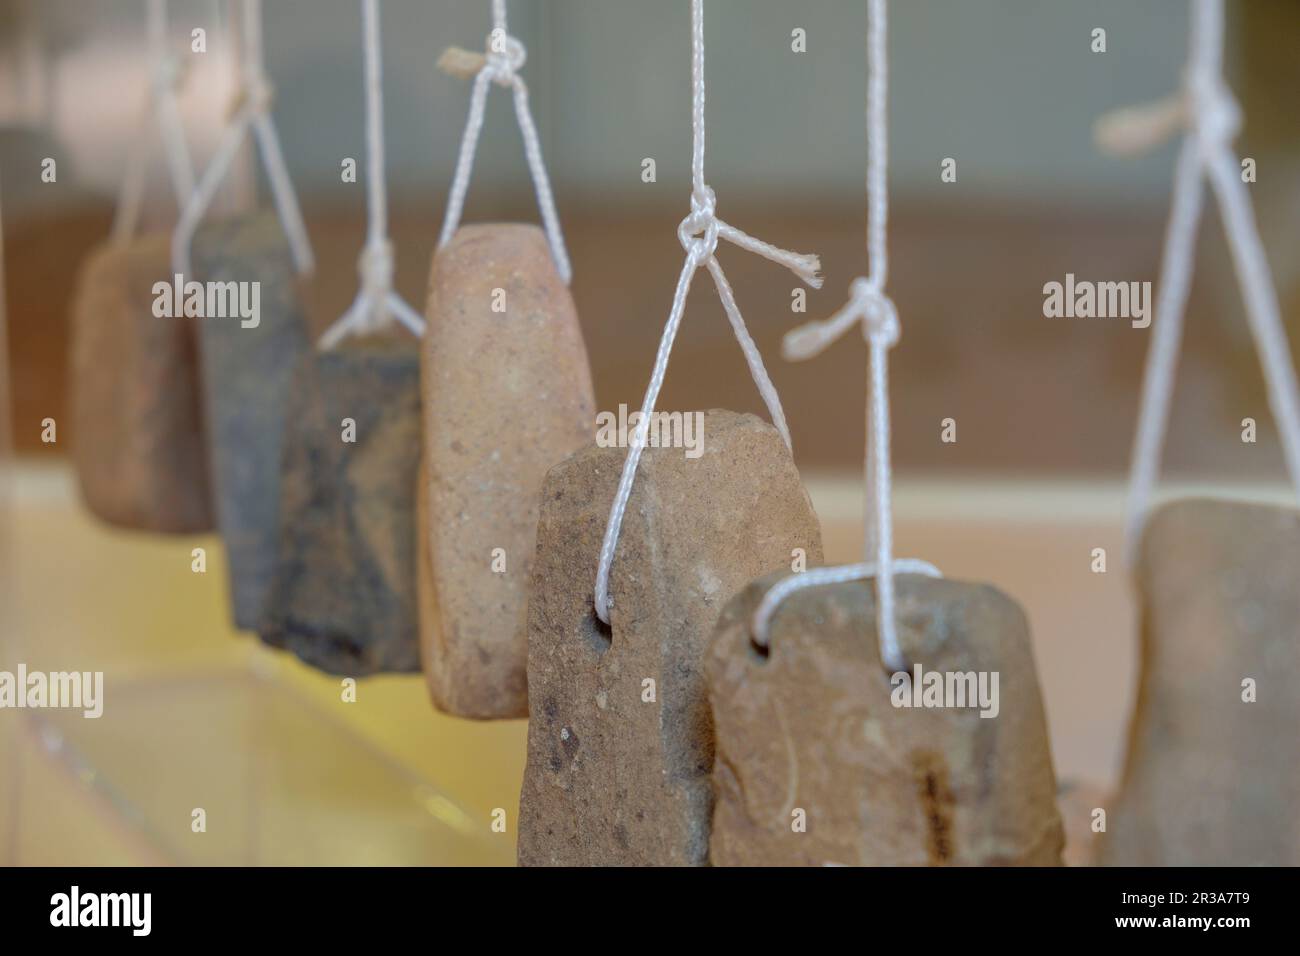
point(344, 593)
point(246, 380)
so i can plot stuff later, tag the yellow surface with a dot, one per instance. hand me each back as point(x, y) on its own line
point(387, 779)
point(91, 598)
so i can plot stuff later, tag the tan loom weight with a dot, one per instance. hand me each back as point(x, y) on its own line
point(807, 734)
point(1210, 779)
point(138, 443)
point(506, 394)
point(620, 740)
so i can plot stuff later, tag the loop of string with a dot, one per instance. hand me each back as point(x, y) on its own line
point(869, 305)
point(820, 577)
point(1211, 118)
point(698, 233)
point(252, 112)
point(376, 303)
point(161, 106)
point(501, 63)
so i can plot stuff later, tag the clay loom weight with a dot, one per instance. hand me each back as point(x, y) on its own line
point(138, 445)
point(343, 598)
point(620, 742)
point(246, 381)
point(507, 394)
point(1212, 776)
point(817, 766)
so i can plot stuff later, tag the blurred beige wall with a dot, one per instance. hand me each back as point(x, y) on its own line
point(1009, 88)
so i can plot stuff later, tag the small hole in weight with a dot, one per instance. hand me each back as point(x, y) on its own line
point(599, 634)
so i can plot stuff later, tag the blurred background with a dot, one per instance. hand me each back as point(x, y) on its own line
point(1045, 408)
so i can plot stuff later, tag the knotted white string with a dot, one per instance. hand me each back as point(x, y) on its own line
point(161, 107)
point(869, 305)
point(1212, 119)
point(376, 302)
point(698, 233)
point(251, 112)
point(505, 57)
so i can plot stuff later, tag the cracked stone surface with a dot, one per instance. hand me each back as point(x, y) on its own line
point(807, 734)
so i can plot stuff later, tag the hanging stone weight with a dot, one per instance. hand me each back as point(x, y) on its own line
point(817, 766)
point(138, 443)
point(246, 379)
point(344, 593)
point(1212, 776)
point(620, 742)
point(507, 394)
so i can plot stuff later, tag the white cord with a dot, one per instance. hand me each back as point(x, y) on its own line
point(252, 114)
point(376, 302)
point(161, 107)
point(505, 57)
point(698, 233)
point(817, 577)
point(869, 305)
point(1208, 111)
